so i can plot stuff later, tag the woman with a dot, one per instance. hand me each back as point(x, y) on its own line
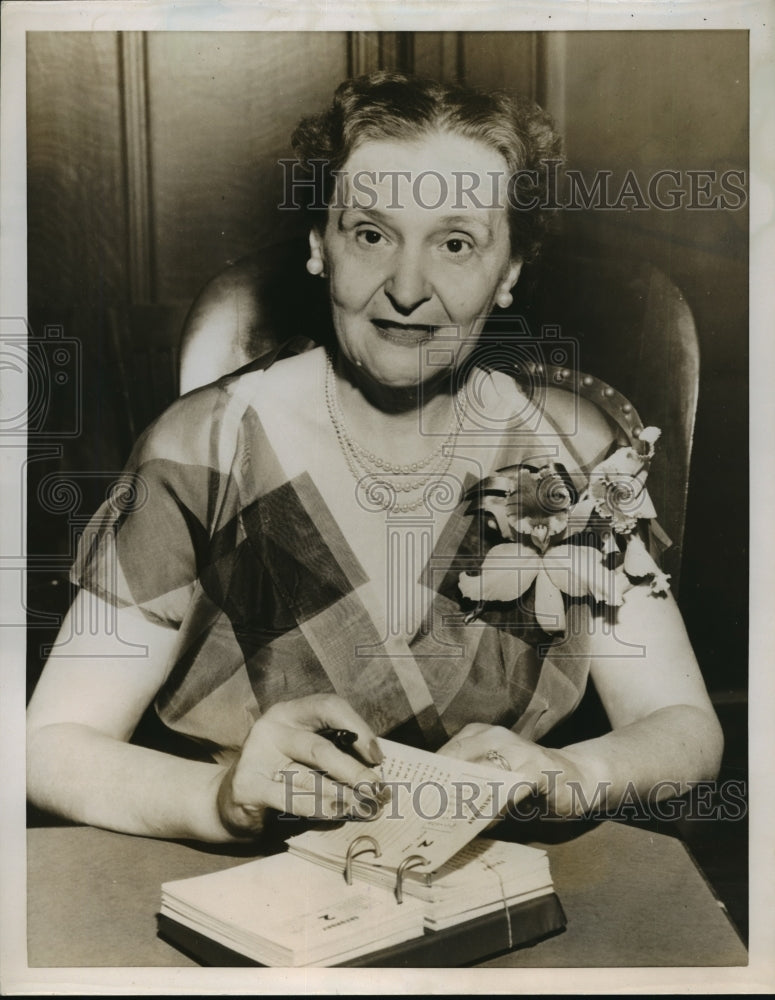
point(406, 536)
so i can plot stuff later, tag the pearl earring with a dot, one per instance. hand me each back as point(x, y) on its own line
point(315, 266)
point(504, 299)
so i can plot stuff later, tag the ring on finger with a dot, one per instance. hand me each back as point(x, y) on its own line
point(497, 758)
point(282, 773)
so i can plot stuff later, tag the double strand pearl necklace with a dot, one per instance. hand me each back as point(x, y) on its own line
point(365, 464)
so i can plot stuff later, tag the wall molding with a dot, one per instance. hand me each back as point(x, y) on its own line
point(369, 51)
point(134, 103)
point(451, 63)
point(551, 54)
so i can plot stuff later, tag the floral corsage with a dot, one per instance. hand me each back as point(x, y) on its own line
point(565, 542)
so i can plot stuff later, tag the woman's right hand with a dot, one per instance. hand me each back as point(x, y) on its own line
point(286, 765)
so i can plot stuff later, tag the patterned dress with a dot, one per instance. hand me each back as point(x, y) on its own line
point(215, 534)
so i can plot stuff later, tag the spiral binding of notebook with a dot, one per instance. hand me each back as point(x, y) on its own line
point(415, 861)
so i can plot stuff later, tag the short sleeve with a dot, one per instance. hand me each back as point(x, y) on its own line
point(146, 544)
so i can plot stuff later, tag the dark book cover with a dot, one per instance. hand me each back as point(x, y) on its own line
point(463, 944)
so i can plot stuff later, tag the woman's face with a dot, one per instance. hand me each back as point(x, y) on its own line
point(414, 261)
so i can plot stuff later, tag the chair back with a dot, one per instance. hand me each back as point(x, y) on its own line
point(248, 309)
point(632, 327)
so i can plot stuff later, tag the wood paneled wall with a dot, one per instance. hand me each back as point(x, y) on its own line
point(221, 113)
point(76, 217)
point(153, 158)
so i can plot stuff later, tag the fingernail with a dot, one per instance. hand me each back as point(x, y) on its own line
point(382, 793)
point(376, 754)
point(378, 792)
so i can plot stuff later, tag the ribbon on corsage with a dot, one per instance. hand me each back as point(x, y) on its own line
point(565, 542)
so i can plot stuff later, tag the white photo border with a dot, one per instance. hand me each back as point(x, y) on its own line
point(756, 17)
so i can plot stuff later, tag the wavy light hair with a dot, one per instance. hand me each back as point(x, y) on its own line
point(396, 106)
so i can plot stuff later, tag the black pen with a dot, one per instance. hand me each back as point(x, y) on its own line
point(343, 739)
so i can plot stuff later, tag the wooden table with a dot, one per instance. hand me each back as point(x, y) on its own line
point(632, 898)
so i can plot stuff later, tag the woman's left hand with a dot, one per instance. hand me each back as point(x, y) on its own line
point(547, 771)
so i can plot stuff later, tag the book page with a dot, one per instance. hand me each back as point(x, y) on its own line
point(282, 908)
point(438, 805)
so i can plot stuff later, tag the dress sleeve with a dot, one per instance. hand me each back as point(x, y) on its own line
point(146, 544)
